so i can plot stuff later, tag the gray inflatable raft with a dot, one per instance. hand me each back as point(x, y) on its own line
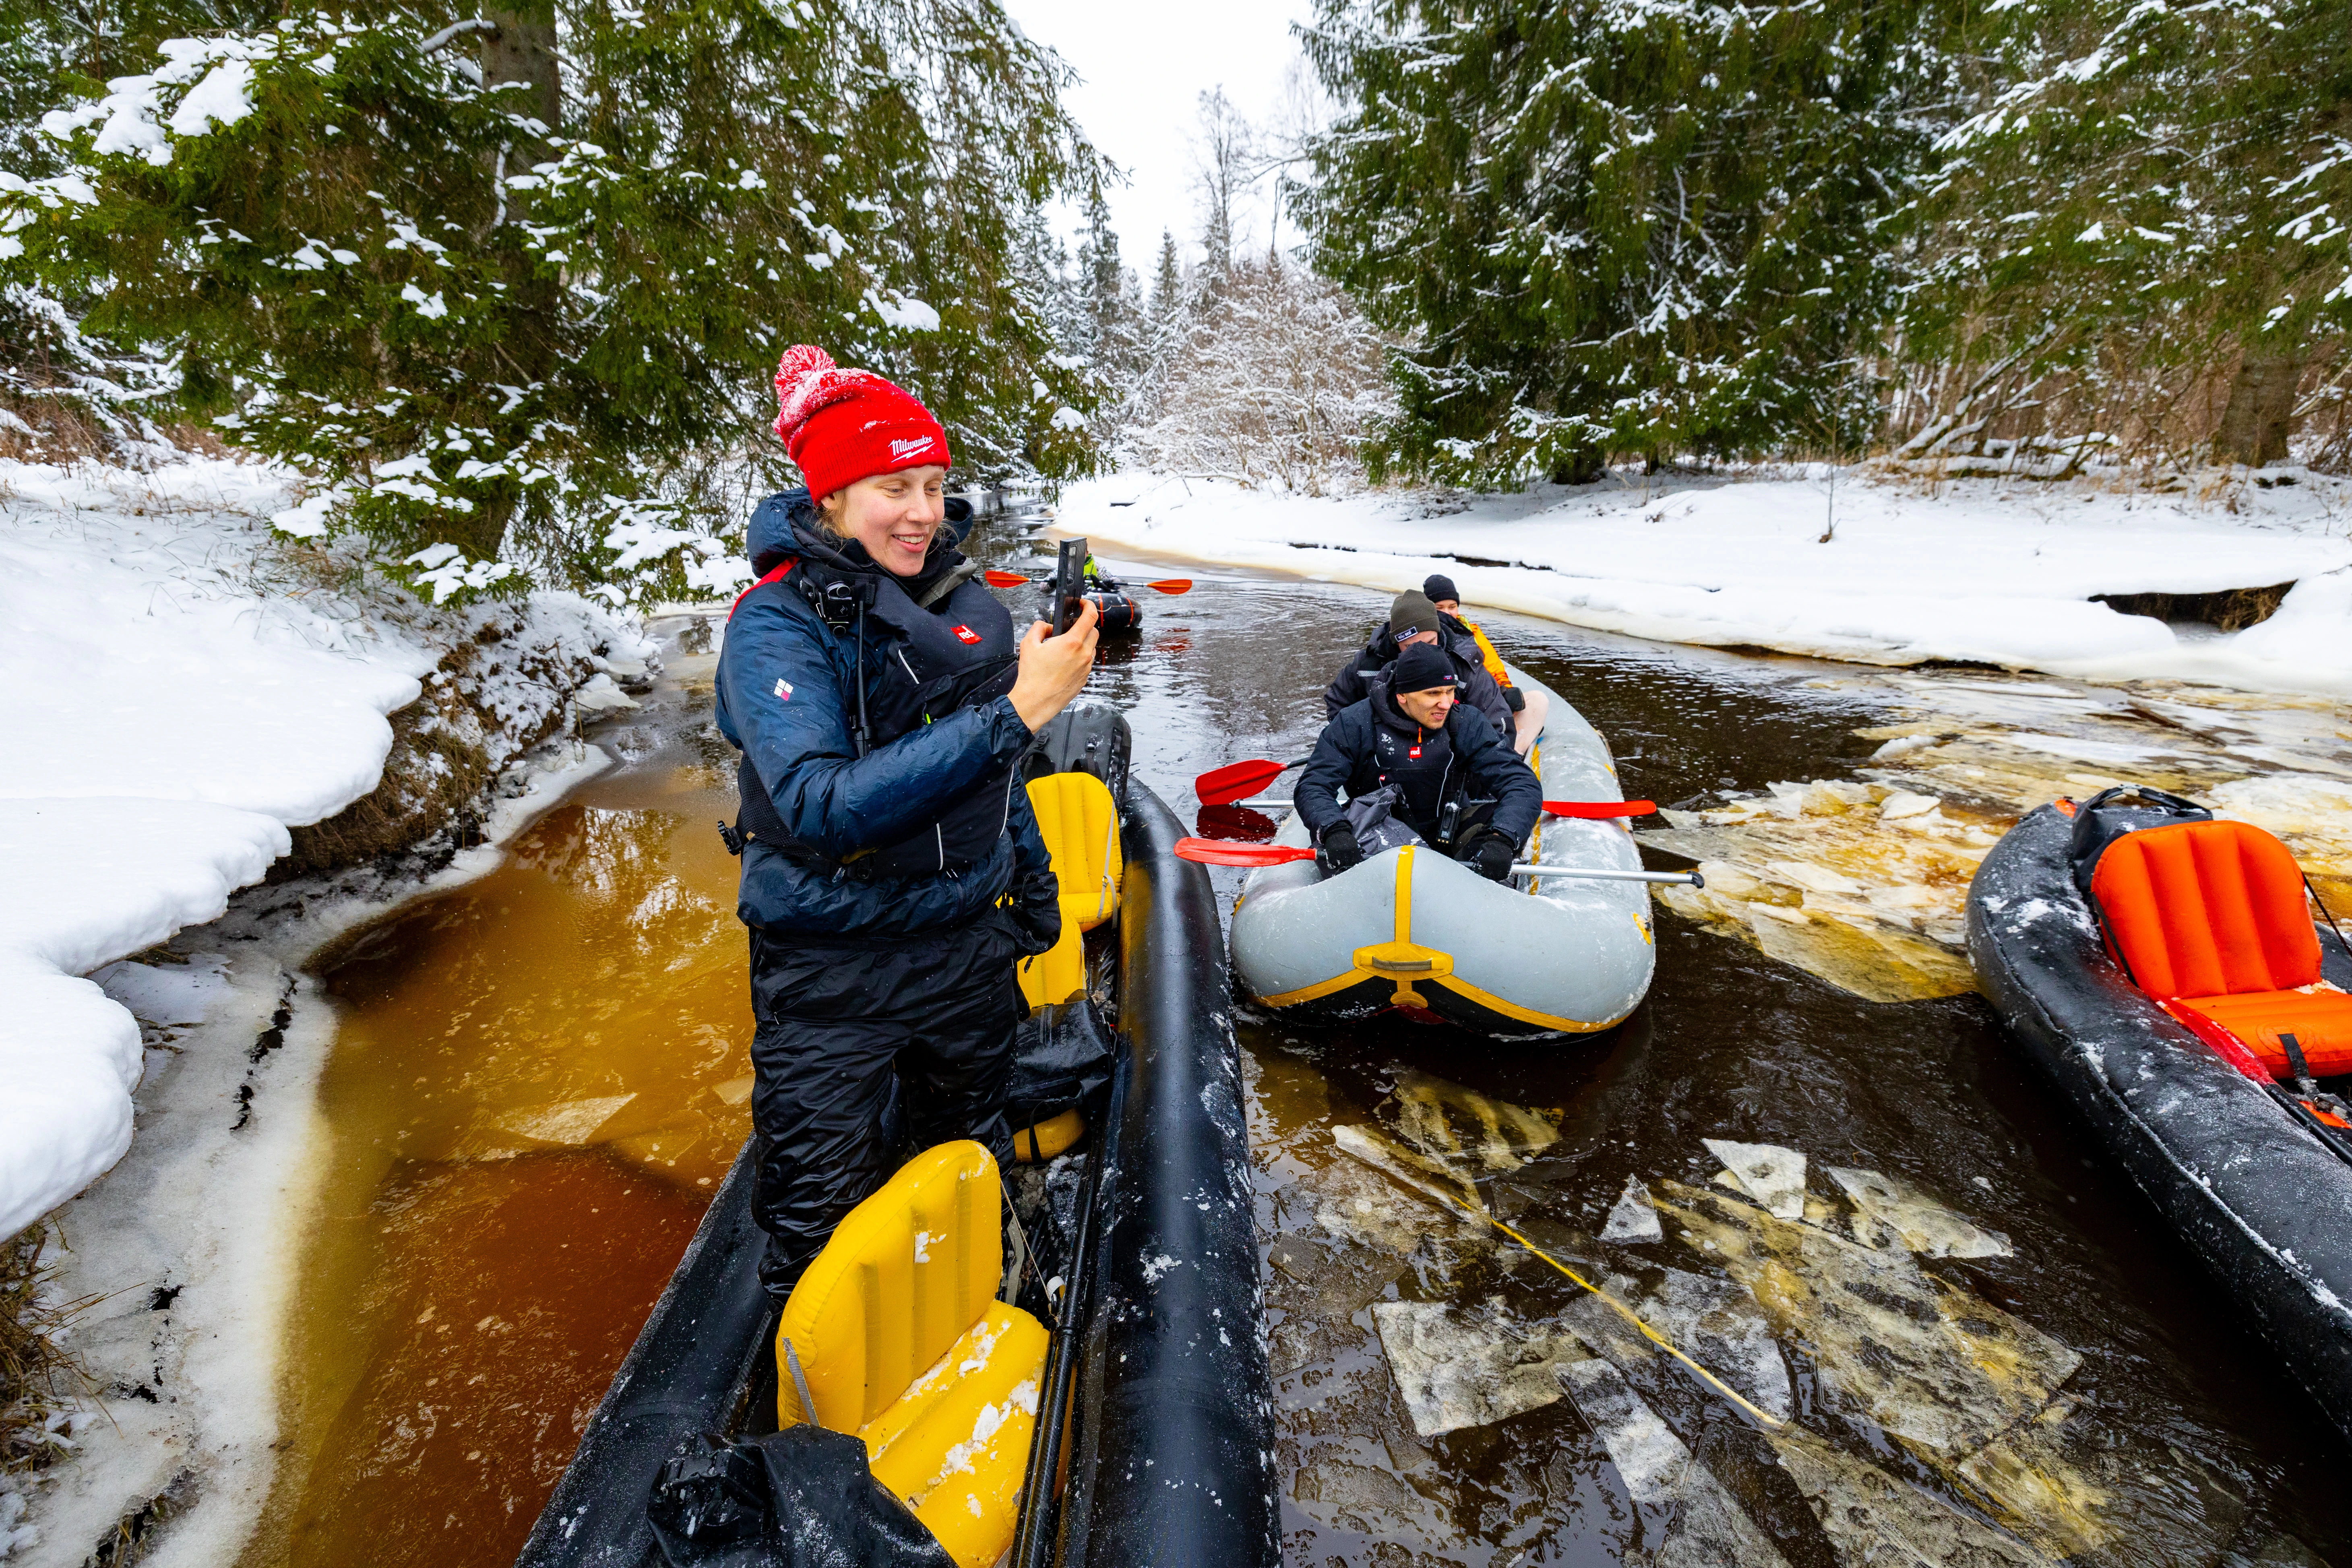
point(1414, 930)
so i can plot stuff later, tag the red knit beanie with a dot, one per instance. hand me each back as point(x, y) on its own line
point(844, 426)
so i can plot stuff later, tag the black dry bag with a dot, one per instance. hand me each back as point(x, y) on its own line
point(2101, 820)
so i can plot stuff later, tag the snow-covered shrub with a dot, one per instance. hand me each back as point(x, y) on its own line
point(508, 309)
point(1268, 374)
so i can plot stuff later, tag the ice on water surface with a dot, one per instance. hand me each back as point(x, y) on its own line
point(1862, 882)
point(1771, 1174)
point(1633, 1217)
point(1469, 1367)
point(1917, 1220)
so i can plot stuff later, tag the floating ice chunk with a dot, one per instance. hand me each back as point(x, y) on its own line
point(1651, 1459)
point(1939, 1368)
point(1771, 1174)
point(1635, 1218)
point(1813, 879)
point(1458, 1369)
point(1871, 1516)
point(602, 695)
point(1416, 1171)
point(1905, 803)
point(1448, 1122)
point(571, 1122)
point(1924, 1225)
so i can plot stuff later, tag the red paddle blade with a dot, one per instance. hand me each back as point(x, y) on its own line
point(1211, 852)
point(1600, 807)
point(1172, 585)
point(996, 579)
point(1234, 781)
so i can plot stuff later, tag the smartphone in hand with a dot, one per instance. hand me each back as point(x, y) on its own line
point(1069, 584)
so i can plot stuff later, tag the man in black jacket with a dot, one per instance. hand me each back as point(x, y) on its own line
point(1414, 622)
point(1410, 734)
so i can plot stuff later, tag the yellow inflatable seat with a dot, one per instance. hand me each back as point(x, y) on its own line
point(903, 1343)
point(1079, 822)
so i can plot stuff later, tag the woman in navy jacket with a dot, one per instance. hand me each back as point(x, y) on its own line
point(892, 872)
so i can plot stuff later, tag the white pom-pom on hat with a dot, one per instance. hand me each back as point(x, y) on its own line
point(808, 380)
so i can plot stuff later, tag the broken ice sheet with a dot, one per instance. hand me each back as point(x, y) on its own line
point(1650, 1458)
point(1713, 1322)
point(567, 1122)
point(1458, 1368)
point(1415, 1171)
point(1635, 1218)
point(1924, 1225)
point(1936, 1367)
point(1451, 1123)
point(1872, 1518)
point(1771, 1174)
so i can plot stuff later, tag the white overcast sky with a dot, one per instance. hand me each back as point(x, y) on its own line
point(1144, 68)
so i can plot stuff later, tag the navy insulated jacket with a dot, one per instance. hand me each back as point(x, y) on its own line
point(786, 697)
point(1371, 742)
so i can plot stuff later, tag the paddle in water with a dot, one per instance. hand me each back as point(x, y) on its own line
point(1213, 852)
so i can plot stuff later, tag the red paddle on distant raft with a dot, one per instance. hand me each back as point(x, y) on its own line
point(996, 579)
point(1220, 852)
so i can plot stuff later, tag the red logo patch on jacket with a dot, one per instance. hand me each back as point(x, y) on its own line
point(965, 634)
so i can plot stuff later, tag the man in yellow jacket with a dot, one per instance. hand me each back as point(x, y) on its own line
point(1528, 719)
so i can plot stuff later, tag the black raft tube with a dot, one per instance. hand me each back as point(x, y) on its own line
point(1172, 1458)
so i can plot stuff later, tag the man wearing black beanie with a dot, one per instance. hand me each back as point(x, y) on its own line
point(1409, 738)
point(1412, 619)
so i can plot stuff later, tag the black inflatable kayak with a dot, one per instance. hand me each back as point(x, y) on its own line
point(1165, 1357)
point(2262, 1202)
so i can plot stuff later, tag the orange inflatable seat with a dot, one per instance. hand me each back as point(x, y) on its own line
point(2213, 917)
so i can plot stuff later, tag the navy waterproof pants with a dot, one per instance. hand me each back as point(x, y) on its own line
point(865, 1052)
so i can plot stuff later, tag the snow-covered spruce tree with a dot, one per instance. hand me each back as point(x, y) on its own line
point(2151, 192)
point(494, 336)
point(1275, 378)
point(1609, 226)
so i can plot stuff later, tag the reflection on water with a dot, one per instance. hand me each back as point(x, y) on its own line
point(1990, 1350)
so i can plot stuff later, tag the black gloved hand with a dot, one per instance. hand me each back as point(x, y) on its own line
point(1340, 849)
point(1514, 699)
point(1037, 913)
point(1486, 852)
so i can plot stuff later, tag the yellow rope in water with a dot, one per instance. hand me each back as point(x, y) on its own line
point(1770, 1423)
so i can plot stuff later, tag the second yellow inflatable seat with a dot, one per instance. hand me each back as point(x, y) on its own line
point(1079, 822)
point(903, 1343)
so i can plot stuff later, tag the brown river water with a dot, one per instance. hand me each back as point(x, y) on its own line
point(541, 1077)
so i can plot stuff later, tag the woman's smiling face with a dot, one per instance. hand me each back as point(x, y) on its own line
point(893, 515)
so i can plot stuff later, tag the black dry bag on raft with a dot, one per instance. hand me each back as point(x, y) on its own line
point(801, 1497)
point(1061, 1061)
point(2099, 823)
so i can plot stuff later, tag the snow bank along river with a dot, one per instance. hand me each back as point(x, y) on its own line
point(1999, 571)
point(1849, 1199)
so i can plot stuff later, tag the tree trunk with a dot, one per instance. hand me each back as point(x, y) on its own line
point(521, 51)
point(2261, 410)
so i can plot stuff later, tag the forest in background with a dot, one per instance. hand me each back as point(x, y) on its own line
point(488, 282)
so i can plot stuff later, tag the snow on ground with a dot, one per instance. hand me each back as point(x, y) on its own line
point(177, 688)
point(1993, 571)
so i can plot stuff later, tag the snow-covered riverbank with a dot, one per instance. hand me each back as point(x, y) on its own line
point(1985, 570)
point(182, 687)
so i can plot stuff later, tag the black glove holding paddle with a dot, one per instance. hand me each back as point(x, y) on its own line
point(1486, 852)
point(1036, 911)
point(1340, 849)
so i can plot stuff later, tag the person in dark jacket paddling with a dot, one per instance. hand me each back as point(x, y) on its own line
point(1413, 621)
point(1410, 745)
point(893, 874)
